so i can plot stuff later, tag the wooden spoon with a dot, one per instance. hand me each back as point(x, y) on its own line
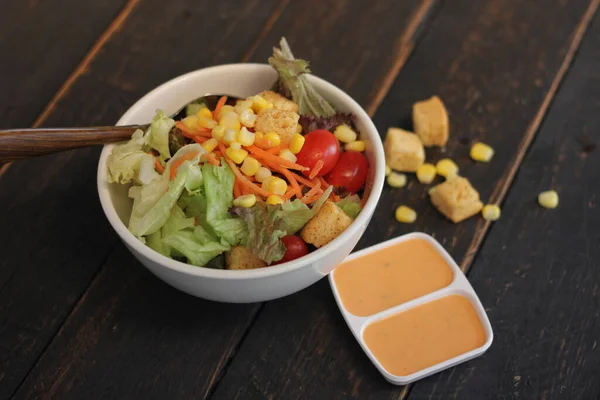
point(25, 143)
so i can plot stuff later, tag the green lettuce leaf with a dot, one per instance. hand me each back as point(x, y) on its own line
point(350, 205)
point(154, 241)
point(157, 136)
point(193, 247)
point(126, 159)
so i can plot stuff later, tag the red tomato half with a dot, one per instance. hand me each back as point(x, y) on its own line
point(294, 248)
point(350, 172)
point(319, 145)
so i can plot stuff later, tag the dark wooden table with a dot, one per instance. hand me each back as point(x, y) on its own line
point(80, 318)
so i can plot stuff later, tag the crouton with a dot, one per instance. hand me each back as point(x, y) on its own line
point(240, 257)
point(430, 120)
point(403, 150)
point(279, 102)
point(328, 224)
point(456, 199)
point(282, 122)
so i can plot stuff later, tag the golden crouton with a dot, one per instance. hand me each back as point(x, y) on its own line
point(279, 102)
point(282, 122)
point(403, 150)
point(240, 257)
point(456, 199)
point(430, 121)
point(328, 224)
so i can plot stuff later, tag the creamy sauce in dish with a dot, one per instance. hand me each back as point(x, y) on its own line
point(391, 276)
point(425, 335)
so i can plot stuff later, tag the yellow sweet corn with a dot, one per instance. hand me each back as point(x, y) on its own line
point(237, 156)
point(297, 143)
point(229, 136)
point(388, 171)
point(245, 137)
point(357, 145)
point(548, 199)
point(259, 103)
point(190, 122)
point(218, 132)
point(210, 144)
point(230, 120)
point(405, 215)
point(248, 118)
point(250, 166)
point(243, 105)
point(226, 109)
point(246, 201)
point(275, 185)
point(262, 174)
point(446, 168)
point(299, 128)
point(273, 139)
point(235, 145)
point(345, 134)
point(426, 173)
point(491, 212)
point(288, 155)
point(274, 199)
point(396, 180)
point(481, 152)
point(204, 112)
point(208, 123)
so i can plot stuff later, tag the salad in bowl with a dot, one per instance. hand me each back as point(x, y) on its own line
point(245, 183)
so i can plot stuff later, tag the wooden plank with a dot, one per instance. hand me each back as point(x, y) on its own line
point(118, 76)
point(494, 64)
point(52, 219)
point(537, 272)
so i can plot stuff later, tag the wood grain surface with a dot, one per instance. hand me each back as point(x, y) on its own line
point(118, 75)
point(493, 63)
point(537, 272)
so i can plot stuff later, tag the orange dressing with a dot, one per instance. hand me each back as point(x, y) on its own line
point(391, 276)
point(425, 335)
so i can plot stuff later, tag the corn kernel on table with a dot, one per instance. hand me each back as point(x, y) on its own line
point(81, 319)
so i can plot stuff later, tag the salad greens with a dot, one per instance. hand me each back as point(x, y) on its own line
point(350, 205)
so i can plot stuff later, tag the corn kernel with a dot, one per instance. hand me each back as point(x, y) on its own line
point(275, 185)
point(345, 134)
point(237, 156)
point(357, 145)
point(274, 200)
point(273, 139)
point(190, 122)
point(259, 103)
point(262, 174)
point(245, 137)
point(248, 118)
point(426, 173)
point(218, 132)
point(396, 180)
point(230, 120)
point(490, 212)
point(250, 166)
point(388, 171)
point(405, 215)
point(299, 128)
point(243, 105)
point(446, 168)
point(481, 152)
point(235, 145)
point(204, 112)
point(288, 155)
point(548, 199)
point(208, 123)
point(246, 201)
point(210, 144)
point(226, 109)
point(297, 143)
point(229, 136)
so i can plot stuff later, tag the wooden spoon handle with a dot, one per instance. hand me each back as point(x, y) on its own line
point(24, 143)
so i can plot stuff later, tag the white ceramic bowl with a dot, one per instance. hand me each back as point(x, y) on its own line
point(246, 286)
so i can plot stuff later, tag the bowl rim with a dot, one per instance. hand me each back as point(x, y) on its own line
point(134, 244)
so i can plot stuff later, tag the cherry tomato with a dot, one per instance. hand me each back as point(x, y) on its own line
point(350, 172)
point(319, 145)
point(294, 248)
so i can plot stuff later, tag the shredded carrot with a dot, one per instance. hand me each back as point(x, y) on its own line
point(310, 199)
point(274, 150)
point(245, 182)
point(314, 191)
point(211, 159)
point(274, 159)
point(245, 190)
point(158, 166)
point(219, 106)
point(324, 183)
point(199, 139)
point(316, 169)
point(190, 133)
point(237, 192)
point(293, 182)
point(289, 194)
point(179, 161)
point(334, 197)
